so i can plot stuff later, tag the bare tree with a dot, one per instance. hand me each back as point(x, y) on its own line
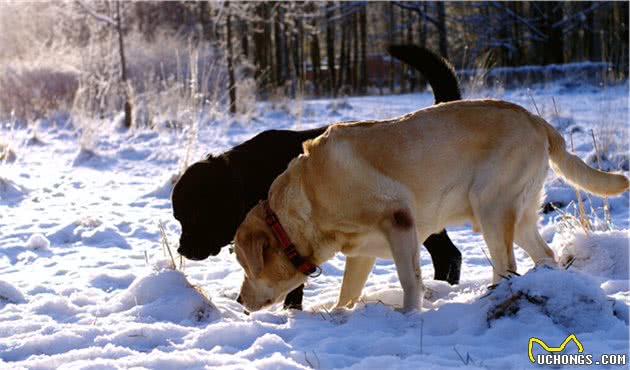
point(330, 48)
point(364, 70)
point(230, 62)
point(117, 25)
point(441, 26)
point(315, 57)
point(123, 66)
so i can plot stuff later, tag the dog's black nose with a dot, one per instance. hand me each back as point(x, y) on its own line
point(239, 300)
point(185, 252)
point(193, 254)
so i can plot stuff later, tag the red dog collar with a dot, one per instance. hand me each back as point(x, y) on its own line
point(288, 248)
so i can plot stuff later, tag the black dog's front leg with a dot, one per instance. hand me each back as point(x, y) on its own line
point(294, 298)
point(447, 259)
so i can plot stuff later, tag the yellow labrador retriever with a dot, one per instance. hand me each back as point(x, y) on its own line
point(375, 188)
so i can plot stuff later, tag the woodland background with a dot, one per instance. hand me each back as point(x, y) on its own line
point(153, 60)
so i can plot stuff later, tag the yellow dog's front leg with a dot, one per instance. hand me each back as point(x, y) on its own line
point(355, 275)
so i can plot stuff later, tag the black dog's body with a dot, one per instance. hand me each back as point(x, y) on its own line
point(213, 196)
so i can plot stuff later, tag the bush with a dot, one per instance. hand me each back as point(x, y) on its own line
point(32, 92)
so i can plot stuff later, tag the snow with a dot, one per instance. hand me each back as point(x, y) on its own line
point(38, 241)
point(554, 293)
point(85, 282)
point(153, 298)
point(597, 253)
point(10, 294)
point(11, 192)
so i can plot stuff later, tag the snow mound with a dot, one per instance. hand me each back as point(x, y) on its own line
point(113, 280)
point(599, 253)
point(92, 232)
point(10, 294)
point(56, 121)
point(567, 298)
point(132, 154)
point(163, 191)
point(264, 346)
point(34, 141)
point(613, 158)
point(55, 306)
point(38, 241)
point(336, 106)
point(89, 158)
point(105, 236)
point(66, 234)
point(164, 295)
point(10, 191)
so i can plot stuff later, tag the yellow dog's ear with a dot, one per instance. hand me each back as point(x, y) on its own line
point(254, 252)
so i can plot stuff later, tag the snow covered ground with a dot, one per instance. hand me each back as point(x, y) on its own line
point(85, 282)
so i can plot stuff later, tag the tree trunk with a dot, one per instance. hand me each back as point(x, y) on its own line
point(411, 73)
point(517, 36)
point(554, 51)
point(623, 35)
point(261, 40)
point(347, 74)
point(343, 62)
point(536, 48)
point(244, 38)
point(422, 37)
point(330, 48)
point(315, 59)
point(230, 66)
point(422, 41)
point(204, 18)
point(442, 29)
point(595, 41)
point(268, 39)
point(299, 54)
point(123, 67)
point(364, 72)
point(504, 54)
point(390, 39)
point(402, 67)
point(355, 52)
point(280, 48)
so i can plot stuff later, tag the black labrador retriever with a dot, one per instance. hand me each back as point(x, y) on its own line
point(212, 197)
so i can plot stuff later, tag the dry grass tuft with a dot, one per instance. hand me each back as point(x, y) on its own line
point(607, 216)
point(166, 249)
point(7, 154)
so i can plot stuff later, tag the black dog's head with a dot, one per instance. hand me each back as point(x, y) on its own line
point(205, 202)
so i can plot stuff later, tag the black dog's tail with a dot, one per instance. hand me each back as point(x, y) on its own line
point(437, 70)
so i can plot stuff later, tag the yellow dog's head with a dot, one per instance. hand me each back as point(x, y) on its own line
point(269, 274)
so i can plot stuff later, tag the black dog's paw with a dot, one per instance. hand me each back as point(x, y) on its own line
point(293, 306)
